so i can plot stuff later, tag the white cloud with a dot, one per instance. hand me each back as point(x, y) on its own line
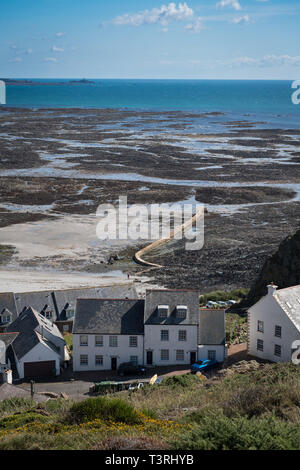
point(241, 19)
point(163, 15)
point(50, 59)
point(270, 60)
point(230, 3)
point(196, 26)
point(29, 51)
point(57, 49)
point(59, 35)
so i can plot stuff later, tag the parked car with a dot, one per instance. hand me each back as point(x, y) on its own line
point(223, 304)
point(130, 368)
point(202, 365)
point(231, 302)
point(211, 304)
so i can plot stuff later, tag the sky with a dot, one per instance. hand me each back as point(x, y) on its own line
point(196, 39)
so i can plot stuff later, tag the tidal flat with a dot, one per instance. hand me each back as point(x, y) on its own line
point(58, 166)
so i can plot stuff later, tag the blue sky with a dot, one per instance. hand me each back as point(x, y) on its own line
point(239, 39)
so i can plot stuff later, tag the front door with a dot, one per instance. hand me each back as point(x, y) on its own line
point(149, 358)
point(193, 357)
point(113, 363)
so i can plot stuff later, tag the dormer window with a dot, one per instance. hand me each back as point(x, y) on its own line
point(5, 319)
point(181, 311)
point(163, 311)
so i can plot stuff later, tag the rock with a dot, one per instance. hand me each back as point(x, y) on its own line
point(64, 396)
point(282, 268)
point(49, 394)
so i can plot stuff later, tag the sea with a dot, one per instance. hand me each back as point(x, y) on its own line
point(269, 101)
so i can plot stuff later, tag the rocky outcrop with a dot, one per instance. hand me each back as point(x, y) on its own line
point(282, 268)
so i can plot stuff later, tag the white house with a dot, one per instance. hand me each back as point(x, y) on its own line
point(6, 339)
point(274, 324)
point(167, 328)
point(39, 348)
point(107, 333)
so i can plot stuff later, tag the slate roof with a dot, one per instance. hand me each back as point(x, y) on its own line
point(38, 300)
point(211, 327)
point(8, 338)
point(172, 298)
point(28, 338)
point(7, 301)
point(289, 300)
point(109, 316)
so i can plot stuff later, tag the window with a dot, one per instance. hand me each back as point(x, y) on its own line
point(277, 350)
point(133, 341)
point(181, 311)
point(134, 360)
point(164, 354)
point(66, 328)
point(164, 335)
point(182, 335)
point(83, 340)
point(98, 341)
point(260, 345)
point(278, 331)
point(48, 315)
point(6, 318)
point(180, 355)
point(84, 360)
point(99, 360)
point(211, 355)
point(113, 341)
point(260, 326)
point(163, 311)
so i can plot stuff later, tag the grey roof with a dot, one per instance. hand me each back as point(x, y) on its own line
point(211, 327)
point(8, 338)
point(38, 300)
point(109, 316)
point(289, 300)
point(28, 338)
point(7, 301)
point(172, 298)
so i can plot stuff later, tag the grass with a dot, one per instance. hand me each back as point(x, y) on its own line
point(219, 295)
point(68, 337)
point(236, 329)
point(259, 409)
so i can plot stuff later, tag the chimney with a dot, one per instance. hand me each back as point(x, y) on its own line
point(272, 289)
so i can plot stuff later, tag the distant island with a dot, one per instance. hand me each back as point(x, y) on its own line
point(10, 81)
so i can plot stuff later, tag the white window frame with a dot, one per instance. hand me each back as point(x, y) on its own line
point(100, 363)
point(134, 359)
point(182, 335)
point(260, 326)
point(99, 344)
point(163, 311)
point(164, 354)
point(179, 355)
point(277, 349)
point(260, 342)
point(181, 311)
point(164, 333)
point(113, 341)
point(211, 354)
point(276, 330)
point(85, 361)
point(83, 343)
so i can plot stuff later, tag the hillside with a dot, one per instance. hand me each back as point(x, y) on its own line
point(256, 409)
point(282, 268)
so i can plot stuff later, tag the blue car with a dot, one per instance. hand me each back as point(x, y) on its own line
point(203, 364)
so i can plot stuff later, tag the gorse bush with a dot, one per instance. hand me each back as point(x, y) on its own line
point(184, 381)
point(218, 432)
point(113, 409)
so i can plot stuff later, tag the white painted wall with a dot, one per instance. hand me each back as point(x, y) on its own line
point(122, 352)
point(55, 338)
point(39, 353)
point(203, 352)
point(270, 312)
point(153, 342)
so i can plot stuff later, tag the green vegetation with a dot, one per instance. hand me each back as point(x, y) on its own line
point(112, 409)
point(258, 409)
point(6, 252)
point(219, 295)
point(236, 329)
point(68, 337)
